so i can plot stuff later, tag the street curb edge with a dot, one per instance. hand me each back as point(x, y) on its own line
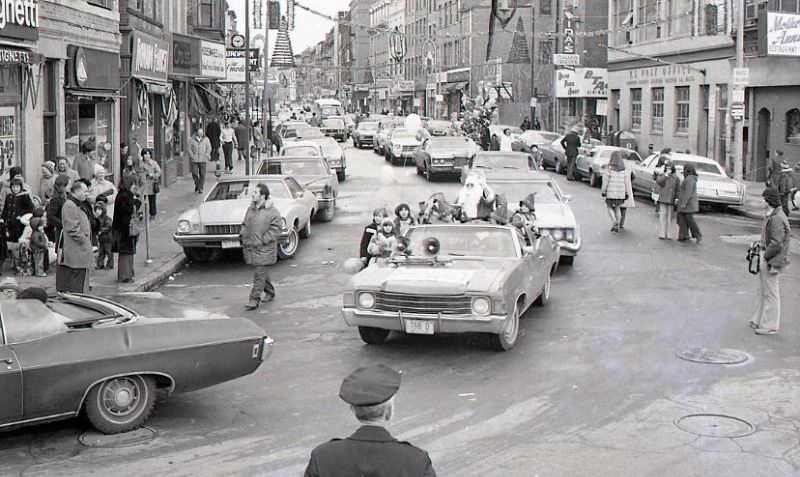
point(159, 275)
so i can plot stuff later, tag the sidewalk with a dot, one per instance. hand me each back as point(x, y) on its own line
point(166, 256)
point(755, 207)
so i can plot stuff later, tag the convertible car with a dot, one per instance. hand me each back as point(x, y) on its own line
point(440, 155)
point(215, 224)
point(109, 357)
point(453, 278)
point(314, 173)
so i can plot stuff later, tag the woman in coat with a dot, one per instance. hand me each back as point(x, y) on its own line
point(18, 203)
point(53, 211)
point(126, 208)
point(688, 205)
point(152, 182)
point(668, 187)
point(615, 189)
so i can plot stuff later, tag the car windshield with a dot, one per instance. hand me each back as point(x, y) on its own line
point(701, 167)
point(236, 190)
point(299, 151)
point(539, 137)
point(398, 133)
point(333, 123)
point(367, 126)
point(309, 132)
point(298, 168)
point(463, 240)
point(448, 144)
point(501, 161)
point(331, 110)
point(28, 320)
point(516, 191)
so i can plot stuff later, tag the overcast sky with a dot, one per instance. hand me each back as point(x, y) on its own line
point(309, 28)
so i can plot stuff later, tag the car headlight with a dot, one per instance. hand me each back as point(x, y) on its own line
point(396, 148)
point(481, 305)
point(365, 300)
point(283, 222)
point(184, 226)
point(570, 235)
point(558, 234)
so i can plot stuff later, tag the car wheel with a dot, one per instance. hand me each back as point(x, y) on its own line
point(288, 247)
point(373, 336)
point(200, 254)
point(305, 232)
point(419, 170)
point(341, 175)
point(508, 336)
point(544, 296)
point(328, 212)
point(557, 168)
point(566, 260)
point(428, 173)
point(121, 404)
point(387, 157)
point(592, 179)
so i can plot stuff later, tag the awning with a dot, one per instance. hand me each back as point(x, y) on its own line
point(209, 91)
point(199, 99)
point(93, 94)
point(156, 88)
point(458, 86)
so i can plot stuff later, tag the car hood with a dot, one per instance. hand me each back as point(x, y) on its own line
point(508, 174)
point(707, 180)
point(231, 211)
point(155, 305)
point(554, 216)
point(458, 276)
point(406, 141)
point(452, 152)
point(313, 183)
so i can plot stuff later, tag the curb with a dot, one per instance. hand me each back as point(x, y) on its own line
point(760, 216)
point(158, 275)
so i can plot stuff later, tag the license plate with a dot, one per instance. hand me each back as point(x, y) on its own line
point(419, 327)
point(230, 244)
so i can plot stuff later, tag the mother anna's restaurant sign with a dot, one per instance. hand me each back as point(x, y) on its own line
point(783, 34)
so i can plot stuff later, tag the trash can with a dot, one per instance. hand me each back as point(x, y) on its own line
point(627, 140)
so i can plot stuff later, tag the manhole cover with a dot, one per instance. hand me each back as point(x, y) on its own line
point(715, 425)
point(136, 436)
point(714, 356)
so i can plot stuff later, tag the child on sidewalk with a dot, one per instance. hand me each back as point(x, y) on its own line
point(105, 258)
point(38, 246)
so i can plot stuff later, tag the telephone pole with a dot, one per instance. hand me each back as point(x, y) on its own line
point(738, 117)
point(248, 164)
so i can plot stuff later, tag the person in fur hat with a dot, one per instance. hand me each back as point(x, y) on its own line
point(384, 242)
point(403, 219)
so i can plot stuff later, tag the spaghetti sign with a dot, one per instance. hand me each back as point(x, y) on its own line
point(19, 19)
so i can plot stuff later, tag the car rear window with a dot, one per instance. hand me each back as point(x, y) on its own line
point(236, 190)
point(300, 151)
point(332, 123)
point(367, 126)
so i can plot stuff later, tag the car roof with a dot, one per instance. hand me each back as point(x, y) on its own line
point(613, 148)
point(682, 156)
point(294, 159)
point(290, 145)
point(255, 177)
point(501, 153)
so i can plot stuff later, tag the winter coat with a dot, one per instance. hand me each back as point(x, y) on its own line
point(84, 165)
point(213, 131)
point(688, 202)
point(401, 226)
point(38, 241)
point(104, 230)
point(369, 231)
point(785, 181)
point(629, 203)
point(616, 184)
point(76, 251)
point(5, 189)
point(571, 143)
point(152, 172)
point(775, 237)
point(46, 182)
point(199, 149)
point(260, 234)
point(53, 212)
point(668, 188)
point(125, 205)
point(382, 245)
point(242, 136)
point(15, 206)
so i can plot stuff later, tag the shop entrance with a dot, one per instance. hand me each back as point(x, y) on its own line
point(762, 144)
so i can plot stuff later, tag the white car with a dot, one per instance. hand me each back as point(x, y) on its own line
point(333, 153)
point(401, 145)
point(593, 164)
point(302, 149)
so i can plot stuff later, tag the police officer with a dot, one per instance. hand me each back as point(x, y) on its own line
point(371, 450)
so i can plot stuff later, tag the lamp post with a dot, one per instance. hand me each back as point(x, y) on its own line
point(248, 164)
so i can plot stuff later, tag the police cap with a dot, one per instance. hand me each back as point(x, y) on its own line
point(370, 385)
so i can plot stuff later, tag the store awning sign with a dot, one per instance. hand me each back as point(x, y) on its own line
point(149, 57)
point(19, 19)
point(582, 83)
point(185, 55)
point(212, 60)
point(14, 56)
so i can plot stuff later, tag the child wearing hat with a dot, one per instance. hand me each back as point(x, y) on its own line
point(103, 237)
point(38, 244)
point(384, 242)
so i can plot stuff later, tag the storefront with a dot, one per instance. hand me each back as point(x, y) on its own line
point(582, 95)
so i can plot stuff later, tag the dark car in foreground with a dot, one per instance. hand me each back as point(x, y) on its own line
point(110, 357)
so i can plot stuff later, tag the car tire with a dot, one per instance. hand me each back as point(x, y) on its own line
point(305, 232)
point(428, 173)
point(201, 254)
point(287, 248)
point(593, 179)
point(508, 336)
point(373, 336)
point(557, 168)
point(544, 296)
point(341, 175)
point(328, 212)
point(120, 404)
point(566, 260)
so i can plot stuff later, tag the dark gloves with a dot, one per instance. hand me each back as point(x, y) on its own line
point(626, 196)
point(603, 194)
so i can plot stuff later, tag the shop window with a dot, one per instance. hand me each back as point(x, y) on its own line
point(657, 109)
point(681, 109)
point(109, 4)
point(546, 7)
point(88, 120)
point(793, 126)
point(636, 109)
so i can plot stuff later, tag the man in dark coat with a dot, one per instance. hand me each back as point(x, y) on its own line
point(688, 205)
point(371, 450)
point(77, 256)
point(243, 139)
point(213, 133)
point(571, 142)
point(260, 234)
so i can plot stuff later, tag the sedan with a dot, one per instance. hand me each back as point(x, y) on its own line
point(554, 216)
point(500, 164)
point(438, 127)
point(110, 357)
point(713, 185)
point(314, 173)
point(401, 145)
point(215, 224)
point(444, 155)
point(334, 127)
point(530, 140)
point(380, 138)
point(334, 154)
point(594, 164)
point(364, 133)
point(301, 148)
point(553, 156)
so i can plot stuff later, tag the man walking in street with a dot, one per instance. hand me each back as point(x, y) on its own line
point(76, 256)
point(774, 251)
point(213, 133)
point(260, 234)
point(371, 450)
point(786, 186)
point(199, 155)
point(243, 139)
point(571, 142)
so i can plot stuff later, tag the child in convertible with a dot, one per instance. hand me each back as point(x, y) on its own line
point(525, 218)
point(384, 242)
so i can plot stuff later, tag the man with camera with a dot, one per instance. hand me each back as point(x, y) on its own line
point(774, 249)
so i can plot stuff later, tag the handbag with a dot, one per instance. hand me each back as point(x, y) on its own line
point(156, 186)
point(134, 226)
point(754, 258)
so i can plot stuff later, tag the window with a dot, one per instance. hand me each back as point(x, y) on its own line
point(681, 109)
point(147, 8)
point(102, 3)
point(636, 109)
point(205, 13)
point(793, 126)
point(48, 92)
point(657, 109)
point(546, 7)
point(545, 50)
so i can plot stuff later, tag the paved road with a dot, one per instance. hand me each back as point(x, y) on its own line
point(593, 386)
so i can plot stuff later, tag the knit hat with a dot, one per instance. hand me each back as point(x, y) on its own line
point(772, 196)
point(38, 212)
point(36, 222)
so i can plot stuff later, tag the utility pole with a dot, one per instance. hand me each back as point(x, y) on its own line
point(738, 121)
point(266, 120)
point(248, 164)
point(533, 62)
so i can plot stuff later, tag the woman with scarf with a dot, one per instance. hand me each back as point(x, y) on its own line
point(688, 205)
point(403, 219)
point(18, 202)
point(126, 210)
point(616, 185)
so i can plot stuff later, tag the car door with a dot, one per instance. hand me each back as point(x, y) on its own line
point(421, 153)
point(643, 174)
point(583, 161)
point(304, 197)
point(10, 384)
point(532, 263)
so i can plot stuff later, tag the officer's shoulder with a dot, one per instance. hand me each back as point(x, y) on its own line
point(412, 446)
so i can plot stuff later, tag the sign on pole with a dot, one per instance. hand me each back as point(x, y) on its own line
point(737, 111)
point(737, 94)
point(562, 59)
point(741, 76)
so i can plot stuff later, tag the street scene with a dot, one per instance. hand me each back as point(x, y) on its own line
point(395, 237)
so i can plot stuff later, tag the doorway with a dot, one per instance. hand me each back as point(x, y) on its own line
point(762, 144)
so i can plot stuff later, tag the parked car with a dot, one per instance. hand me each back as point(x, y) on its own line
point(334, 154)
point(552, 155)
point(215, 224)
point(364, 133)
point(530, 141)
point(288, 131)
point(713, 185)
point(334, 127)
point(554, 216)
point(312, 172)
point(444, 155)
point(110, 357)
point(438, 127)
point(594, 164)
point(500, 164)
point(301, 148)
point(456, 278)
point(380, 138)
point(400, 146)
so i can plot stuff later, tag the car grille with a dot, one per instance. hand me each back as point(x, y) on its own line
point(408, 149)
point(226, 229)
point(425, 304)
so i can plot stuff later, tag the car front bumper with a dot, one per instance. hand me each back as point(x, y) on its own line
point(570, 248)
point(442, 323)
point(214, 240)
